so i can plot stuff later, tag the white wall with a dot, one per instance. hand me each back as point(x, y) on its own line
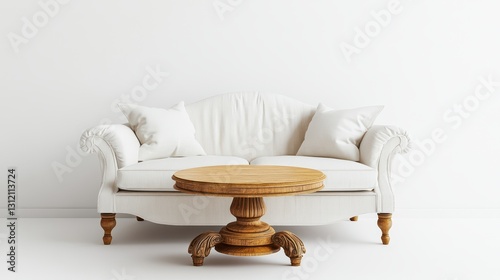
point(430, 55)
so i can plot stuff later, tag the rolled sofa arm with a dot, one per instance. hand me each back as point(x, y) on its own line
point(121, 141)
point(377, 149)
point(377, 138)
point(117, 147)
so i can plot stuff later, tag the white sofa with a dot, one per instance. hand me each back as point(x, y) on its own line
point(245, 128)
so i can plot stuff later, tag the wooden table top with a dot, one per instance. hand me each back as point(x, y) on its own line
point(248, 180)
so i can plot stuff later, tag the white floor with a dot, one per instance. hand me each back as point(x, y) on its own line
point(444, 249)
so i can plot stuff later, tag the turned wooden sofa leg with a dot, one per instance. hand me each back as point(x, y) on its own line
point(139, 219)
point(108, 222)
point(354, 219)
point(385, 223)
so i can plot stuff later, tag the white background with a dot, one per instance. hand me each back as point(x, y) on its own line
point(89, 54)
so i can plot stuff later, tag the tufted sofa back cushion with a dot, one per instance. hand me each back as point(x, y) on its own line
point(250, 125)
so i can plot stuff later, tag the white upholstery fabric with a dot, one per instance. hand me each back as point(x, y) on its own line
point(121, 141)
point(337, 133)
point(250, 125)
point(377, 150)
point(247, 125)
point(376, 138)
point(156, 175)
point(341, 175)
point(162, 132)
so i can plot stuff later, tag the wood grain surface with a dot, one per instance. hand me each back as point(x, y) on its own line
point(248, 180)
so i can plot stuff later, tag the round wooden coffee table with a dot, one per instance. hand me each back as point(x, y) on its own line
point(248, 184)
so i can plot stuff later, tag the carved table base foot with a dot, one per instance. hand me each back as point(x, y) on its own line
point(292, 245)
point(200, 246)
point(247, 236)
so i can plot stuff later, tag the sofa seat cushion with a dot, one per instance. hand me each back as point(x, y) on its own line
point(341, 175)
point(156, 175)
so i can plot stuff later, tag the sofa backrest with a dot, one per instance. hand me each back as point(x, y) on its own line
point(250, 125)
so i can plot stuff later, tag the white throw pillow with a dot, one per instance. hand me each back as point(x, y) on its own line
point(337, 133)
point(162, 132)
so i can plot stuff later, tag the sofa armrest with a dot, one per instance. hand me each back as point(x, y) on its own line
point(117, 147)
point(119, 139)
point(377, 149)
point(380, 137)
